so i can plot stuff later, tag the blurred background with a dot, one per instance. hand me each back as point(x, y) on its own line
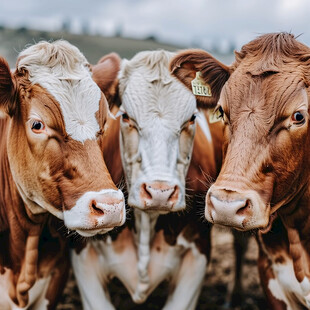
point(98, 27)
point(127, 26)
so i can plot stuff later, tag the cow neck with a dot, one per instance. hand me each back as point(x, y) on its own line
point(296, 212)
point(145, 231)
point(296, 219)
point(19, 233)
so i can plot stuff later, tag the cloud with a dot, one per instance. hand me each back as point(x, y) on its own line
point(175, 21)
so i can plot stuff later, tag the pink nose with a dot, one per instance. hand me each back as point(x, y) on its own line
point(242, 210)
point(96, 212)
point(107, 208)
point(159, 195)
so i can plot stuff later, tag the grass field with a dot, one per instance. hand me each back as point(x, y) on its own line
point(12, 41)
point(93, 47)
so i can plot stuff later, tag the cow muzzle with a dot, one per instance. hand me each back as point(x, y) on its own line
point(243, 210)
point(96, 213)
point(159, 196)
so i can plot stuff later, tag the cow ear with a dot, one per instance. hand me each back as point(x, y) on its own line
point(7, 90)
point(105, 75)
point(214, 74)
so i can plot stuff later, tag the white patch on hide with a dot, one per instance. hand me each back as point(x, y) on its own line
point(90, 272)
point(285, 286)
point(37, 294)
point(145, 225)
point(201, 119)
point(62, 70)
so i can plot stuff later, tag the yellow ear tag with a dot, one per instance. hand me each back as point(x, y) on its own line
point(215, 117)
point(199, 87)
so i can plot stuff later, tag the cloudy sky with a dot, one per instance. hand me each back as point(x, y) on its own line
point(185, 22)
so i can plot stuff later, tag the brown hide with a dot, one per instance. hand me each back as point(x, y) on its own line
point(185, 65)
point(43, 170)
point(258, 97)
point(22, 234)
point(265, 108)
point(105, 75)
point(108, 82)
point(206, 159)
point(111, 149)
point(26, 247)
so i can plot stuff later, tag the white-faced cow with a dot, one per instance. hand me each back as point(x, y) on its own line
point(51, 169)
point(153, 141)
point(264, 182)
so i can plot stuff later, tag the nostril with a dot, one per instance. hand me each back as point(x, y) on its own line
point(94, 209)
point(245, 209)
point(175, 194)
point(146, 192)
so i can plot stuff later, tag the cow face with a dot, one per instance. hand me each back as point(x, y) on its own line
point(156, 133)
point(265, 106)
point(157, 125)
point(56, 117)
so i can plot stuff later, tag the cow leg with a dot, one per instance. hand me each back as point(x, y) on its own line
point(240, 247)
point(89, 273)
point(266, 274)
point(57, 283)
point(187, 282)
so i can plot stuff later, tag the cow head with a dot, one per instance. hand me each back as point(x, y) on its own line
point(157, 126)
point(264, 103)
point(56, 117)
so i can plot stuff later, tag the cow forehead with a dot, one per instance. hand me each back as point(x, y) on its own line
point(68, 79)
point(275, 94)
point(146, 101)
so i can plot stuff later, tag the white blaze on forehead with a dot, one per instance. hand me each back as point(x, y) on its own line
point(160, 105)
point(148, 91)
point(63, 71)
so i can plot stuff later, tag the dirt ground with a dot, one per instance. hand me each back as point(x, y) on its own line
point(215, 293)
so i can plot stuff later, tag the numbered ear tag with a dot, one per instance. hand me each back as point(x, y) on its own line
point(199, 87)
point(215, 116)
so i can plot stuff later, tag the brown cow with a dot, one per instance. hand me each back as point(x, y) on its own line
point(264, 182)
point(50, 164)
point(152, 141)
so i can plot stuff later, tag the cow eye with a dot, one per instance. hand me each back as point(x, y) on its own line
point(298, 118)
point(125, 117)
point(37, 126)
point(192, 119)
point(221, 112)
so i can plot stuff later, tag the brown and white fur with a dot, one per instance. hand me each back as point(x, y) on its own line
point(153, 141)
point(52, 172)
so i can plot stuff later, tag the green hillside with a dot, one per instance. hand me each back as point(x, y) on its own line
point(12, 41)
point(93, 47)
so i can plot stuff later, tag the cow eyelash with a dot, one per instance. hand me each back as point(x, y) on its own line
point(37, 126)
point(125, 117)
point(220, 112)
point(298, 118)
point(192, 119)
